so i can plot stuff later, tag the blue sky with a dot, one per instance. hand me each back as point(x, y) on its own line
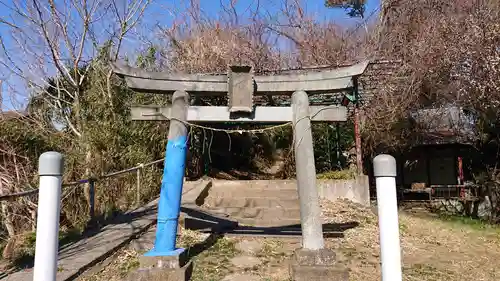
point(156, 14)
point(213, 7)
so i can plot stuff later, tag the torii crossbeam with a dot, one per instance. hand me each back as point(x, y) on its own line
point(240, 87)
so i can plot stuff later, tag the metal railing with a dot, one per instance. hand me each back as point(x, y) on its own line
point(91, 181)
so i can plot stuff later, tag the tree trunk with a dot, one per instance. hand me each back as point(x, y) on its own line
point(88, 173)
point(7, 220)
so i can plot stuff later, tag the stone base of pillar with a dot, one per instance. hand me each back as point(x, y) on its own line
point(316, 265)
point(161, 274)
point(172, 268)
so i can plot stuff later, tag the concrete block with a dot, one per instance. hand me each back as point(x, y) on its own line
point(356, 190)
point(316, 265)
point(162, 274)
point(318, 273)
point(315, 257)
point(162, 262)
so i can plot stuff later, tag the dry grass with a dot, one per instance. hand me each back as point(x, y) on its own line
point(433, 249)
point(213, 264)
point(121, 264)
point(442, 250)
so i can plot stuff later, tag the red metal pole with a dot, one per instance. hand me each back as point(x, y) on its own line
point(460, 171)
point(461, 177)
point(357, 136)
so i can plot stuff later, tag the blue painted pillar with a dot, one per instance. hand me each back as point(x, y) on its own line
point(173, 179)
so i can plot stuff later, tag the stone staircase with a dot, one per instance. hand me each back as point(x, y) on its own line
point(262, 203)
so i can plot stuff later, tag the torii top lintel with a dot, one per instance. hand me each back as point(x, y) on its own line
point(333, 80)
point(240, 84)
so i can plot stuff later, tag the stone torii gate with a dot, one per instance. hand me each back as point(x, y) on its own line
point(240, 86)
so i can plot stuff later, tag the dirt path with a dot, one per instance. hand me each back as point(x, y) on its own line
point(433, 249)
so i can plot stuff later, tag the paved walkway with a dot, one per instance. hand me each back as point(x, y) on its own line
point(79, 256)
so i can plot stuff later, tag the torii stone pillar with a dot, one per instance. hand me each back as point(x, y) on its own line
point(310, 211)
point(173, 179)
point(313, 262)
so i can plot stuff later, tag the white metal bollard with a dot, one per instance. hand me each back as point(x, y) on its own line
point(384, 168)
point(50, 170)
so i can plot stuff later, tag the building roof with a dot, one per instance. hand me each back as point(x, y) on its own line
point(444, 125)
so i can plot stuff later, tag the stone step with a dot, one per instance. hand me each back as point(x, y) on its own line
point(275, 222)
point(259, 213)
point(251, 184)
point(241, 202)
point(252, 187)
point(289, 194)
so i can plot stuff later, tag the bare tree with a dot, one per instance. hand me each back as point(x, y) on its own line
point(449, 57)
point(50, 45)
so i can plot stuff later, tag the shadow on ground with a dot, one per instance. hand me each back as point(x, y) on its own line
point(195, 219)
point(200, 220)
point(200, 247)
